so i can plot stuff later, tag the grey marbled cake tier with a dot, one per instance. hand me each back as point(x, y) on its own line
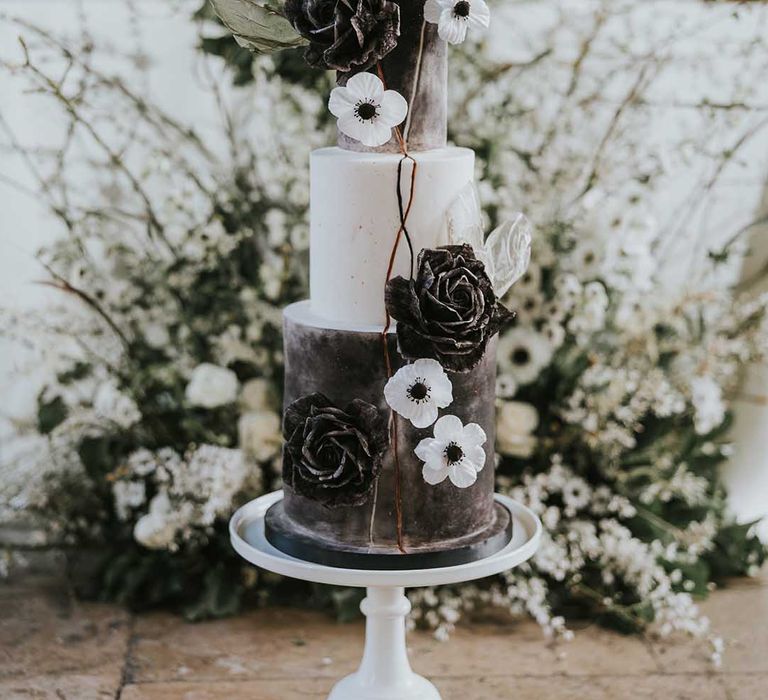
point(429, 108)
point(345, 364)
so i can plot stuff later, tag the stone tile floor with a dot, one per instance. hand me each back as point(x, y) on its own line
point(52, 646)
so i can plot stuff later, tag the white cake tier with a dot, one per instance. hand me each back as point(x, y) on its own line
point(354, 220)
point(301, 312)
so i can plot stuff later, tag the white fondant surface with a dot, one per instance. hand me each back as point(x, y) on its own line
point(303, 313)
point(354, 220)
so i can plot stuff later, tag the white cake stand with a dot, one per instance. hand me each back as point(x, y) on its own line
point(384, 672)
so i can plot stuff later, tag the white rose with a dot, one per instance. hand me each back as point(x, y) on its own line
point(211, 386)
point(515, 423)
point(157, 528)
point(256, 395)
point(259, 434)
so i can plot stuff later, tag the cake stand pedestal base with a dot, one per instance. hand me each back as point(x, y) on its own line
point(384, 672)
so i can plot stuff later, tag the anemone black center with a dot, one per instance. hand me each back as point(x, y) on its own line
point(453, 453)
point(366, 111)
point(521, 356)
point(461, 9)
point(418, 390)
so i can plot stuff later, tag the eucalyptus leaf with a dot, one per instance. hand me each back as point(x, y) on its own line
point(257, 25)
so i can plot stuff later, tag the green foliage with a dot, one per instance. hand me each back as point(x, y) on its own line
point(50, 414)
point(737, 552)
point(257, 25)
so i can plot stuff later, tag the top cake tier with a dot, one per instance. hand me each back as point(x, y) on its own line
point(417, 68)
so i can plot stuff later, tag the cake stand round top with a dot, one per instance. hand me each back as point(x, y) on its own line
point(246, 530)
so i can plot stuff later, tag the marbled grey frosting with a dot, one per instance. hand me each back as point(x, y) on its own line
point(346, 364)
point(428, 120)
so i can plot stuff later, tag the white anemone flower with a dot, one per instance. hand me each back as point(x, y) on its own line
point(454, 17)
point(366, 111)
point(524, 353)
point(417, 390)
point(455, 452)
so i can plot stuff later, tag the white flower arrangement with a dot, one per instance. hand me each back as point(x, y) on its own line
point(455, 452)
point(417, 390)
point(623, 371)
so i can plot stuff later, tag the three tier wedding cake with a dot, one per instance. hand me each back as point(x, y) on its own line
point(390, 365)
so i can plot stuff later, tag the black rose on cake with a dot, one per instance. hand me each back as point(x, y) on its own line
point(345, 35)
point(449, 311)
point(333, 455)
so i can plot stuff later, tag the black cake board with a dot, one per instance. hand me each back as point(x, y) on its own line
point(282, 533)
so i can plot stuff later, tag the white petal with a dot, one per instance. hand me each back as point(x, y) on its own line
point(427, 367)
point(341, 101)
point(442, 393)
point(476, 455)
point(452, 29)
point(430, 451)
point(479, 15)
point(366, 86)
point(432, 11)
point(376, 133)
point(400, 403)
point(351, 126)
point(462, 474)
point(442, 390)
point(396, 388)
point(508, 248)
point(473, 435)
point(448, 429)
point(434, 476)
point(424, 414)
point(393, 108)
point(408, 373)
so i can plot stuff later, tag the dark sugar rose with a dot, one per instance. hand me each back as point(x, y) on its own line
point(331, 455)
point(345, 35)
point(449, 312)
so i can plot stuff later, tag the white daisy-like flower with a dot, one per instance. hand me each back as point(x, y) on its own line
point(530, 282)
point(523, 353)
point(586, 260)
point(527, 308)
point(366, 111)
point(455, 452)
point(417, 390)
point(454, 17)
